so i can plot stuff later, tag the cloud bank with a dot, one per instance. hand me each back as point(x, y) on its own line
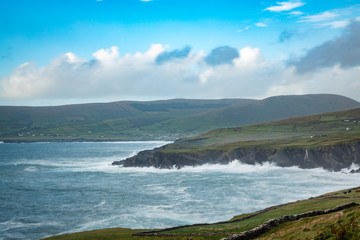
point(155, 74)
point(158, 73)
point(343, 51)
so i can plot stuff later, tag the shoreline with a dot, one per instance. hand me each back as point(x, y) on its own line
point(3, 141)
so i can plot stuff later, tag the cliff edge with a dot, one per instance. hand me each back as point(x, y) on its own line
point(330, 141)
point(333, 158)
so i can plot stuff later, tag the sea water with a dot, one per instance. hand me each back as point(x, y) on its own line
point(56, 188)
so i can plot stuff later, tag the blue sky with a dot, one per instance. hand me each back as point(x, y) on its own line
point(58, 52)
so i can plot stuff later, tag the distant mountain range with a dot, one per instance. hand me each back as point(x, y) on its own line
point(155, 120)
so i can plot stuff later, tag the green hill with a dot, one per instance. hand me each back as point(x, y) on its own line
point(306, 131)
point(269, 109)
point(154, 120)
point(126, 120)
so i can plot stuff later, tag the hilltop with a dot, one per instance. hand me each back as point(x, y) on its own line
point(154, 120)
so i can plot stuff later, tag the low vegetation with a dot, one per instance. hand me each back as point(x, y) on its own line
point(310, 131)
point(155, 120)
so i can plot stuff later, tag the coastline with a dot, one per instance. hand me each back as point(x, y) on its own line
point(82, 140)
point(331, 158)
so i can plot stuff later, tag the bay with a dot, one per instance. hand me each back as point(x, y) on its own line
point(55, 188)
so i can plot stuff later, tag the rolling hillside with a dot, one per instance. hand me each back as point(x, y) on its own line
point(155, 120)
point(269, 109)
point(126, 120)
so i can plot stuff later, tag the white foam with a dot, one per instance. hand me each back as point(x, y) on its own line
point(100, 204)
point(31, 169)
point(144, 142)
point(232, 167)
point(92, 164)
point(349, 169)
point(68, 164)
point(14, 224)
point(105, 165)
point(131, 142)
point(96, 224)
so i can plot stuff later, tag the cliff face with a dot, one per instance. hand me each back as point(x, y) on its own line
point(333, 158)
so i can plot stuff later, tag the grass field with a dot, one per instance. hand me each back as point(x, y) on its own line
point(154, 120)
point(309, 131)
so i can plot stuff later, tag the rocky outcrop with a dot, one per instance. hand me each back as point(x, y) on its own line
point(333, 158)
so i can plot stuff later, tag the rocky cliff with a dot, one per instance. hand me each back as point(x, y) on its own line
point(333, 158)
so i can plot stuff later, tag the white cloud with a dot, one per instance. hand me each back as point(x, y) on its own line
point(343, 50)
point(296, 13)
point(285, 6)
point(248, 57)
point(205, 75)
point(334, 80)
point(243, 29)
point(107, 56)
point(260, 24)
point(335, 24)
point(111, 75)
point(325, 16)
point(146, 0)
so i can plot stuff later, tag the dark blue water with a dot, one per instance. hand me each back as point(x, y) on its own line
point(55, 188)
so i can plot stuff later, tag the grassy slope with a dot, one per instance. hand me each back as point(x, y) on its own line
point(168, 119)
point(102, 121)
point(309, 131)
point(269, 109)
point(307, 228)
point(339, 225)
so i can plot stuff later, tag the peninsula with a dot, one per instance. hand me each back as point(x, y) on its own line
point(330, 141)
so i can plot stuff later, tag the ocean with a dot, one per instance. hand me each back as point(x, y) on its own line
point(49, 189)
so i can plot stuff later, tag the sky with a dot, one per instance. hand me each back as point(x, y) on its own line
point(66, 51)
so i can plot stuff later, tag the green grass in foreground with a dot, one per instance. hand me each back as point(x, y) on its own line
point(339, 225)
point(113, 233)
point(118, 234)
point(331, 226)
